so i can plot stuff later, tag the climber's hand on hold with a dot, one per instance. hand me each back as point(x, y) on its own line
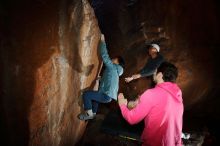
point(102, 37)
point(98, 78)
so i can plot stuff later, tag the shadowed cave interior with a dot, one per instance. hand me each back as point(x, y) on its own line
point(49, 56)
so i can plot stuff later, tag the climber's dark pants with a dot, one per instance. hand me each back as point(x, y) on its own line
point(91, 100)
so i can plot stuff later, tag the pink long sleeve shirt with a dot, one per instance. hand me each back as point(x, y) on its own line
point(162, 111)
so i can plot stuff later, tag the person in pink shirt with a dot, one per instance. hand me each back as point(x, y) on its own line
point(161, 108)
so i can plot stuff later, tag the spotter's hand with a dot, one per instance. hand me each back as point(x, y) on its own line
point(122, 100)
point(128, 79)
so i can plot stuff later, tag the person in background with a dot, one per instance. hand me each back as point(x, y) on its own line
point(108, 86)
point(161, 108)
point(152, 64)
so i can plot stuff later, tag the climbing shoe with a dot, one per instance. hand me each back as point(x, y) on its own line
point(85, 117)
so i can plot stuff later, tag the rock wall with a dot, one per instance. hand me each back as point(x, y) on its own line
point(48, 57)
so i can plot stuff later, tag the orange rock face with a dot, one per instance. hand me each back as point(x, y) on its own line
point(48, 57)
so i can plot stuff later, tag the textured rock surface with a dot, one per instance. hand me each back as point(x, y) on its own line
point(48, 56)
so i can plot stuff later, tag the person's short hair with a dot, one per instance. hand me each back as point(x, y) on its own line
point(169, 71)
point(121, 61)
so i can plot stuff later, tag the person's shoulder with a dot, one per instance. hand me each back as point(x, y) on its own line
point(119, 69)
point(160, 57)
point(148, 92)
point(147, 96)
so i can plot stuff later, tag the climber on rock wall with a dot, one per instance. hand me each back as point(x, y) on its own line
point(161, 108)
point(108, 87)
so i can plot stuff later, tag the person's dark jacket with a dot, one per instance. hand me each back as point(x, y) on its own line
point(151, 65)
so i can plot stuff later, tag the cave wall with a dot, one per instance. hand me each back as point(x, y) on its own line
point(187, 32)
point(48, 57)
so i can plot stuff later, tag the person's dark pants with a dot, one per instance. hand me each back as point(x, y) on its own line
point(91, 100)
